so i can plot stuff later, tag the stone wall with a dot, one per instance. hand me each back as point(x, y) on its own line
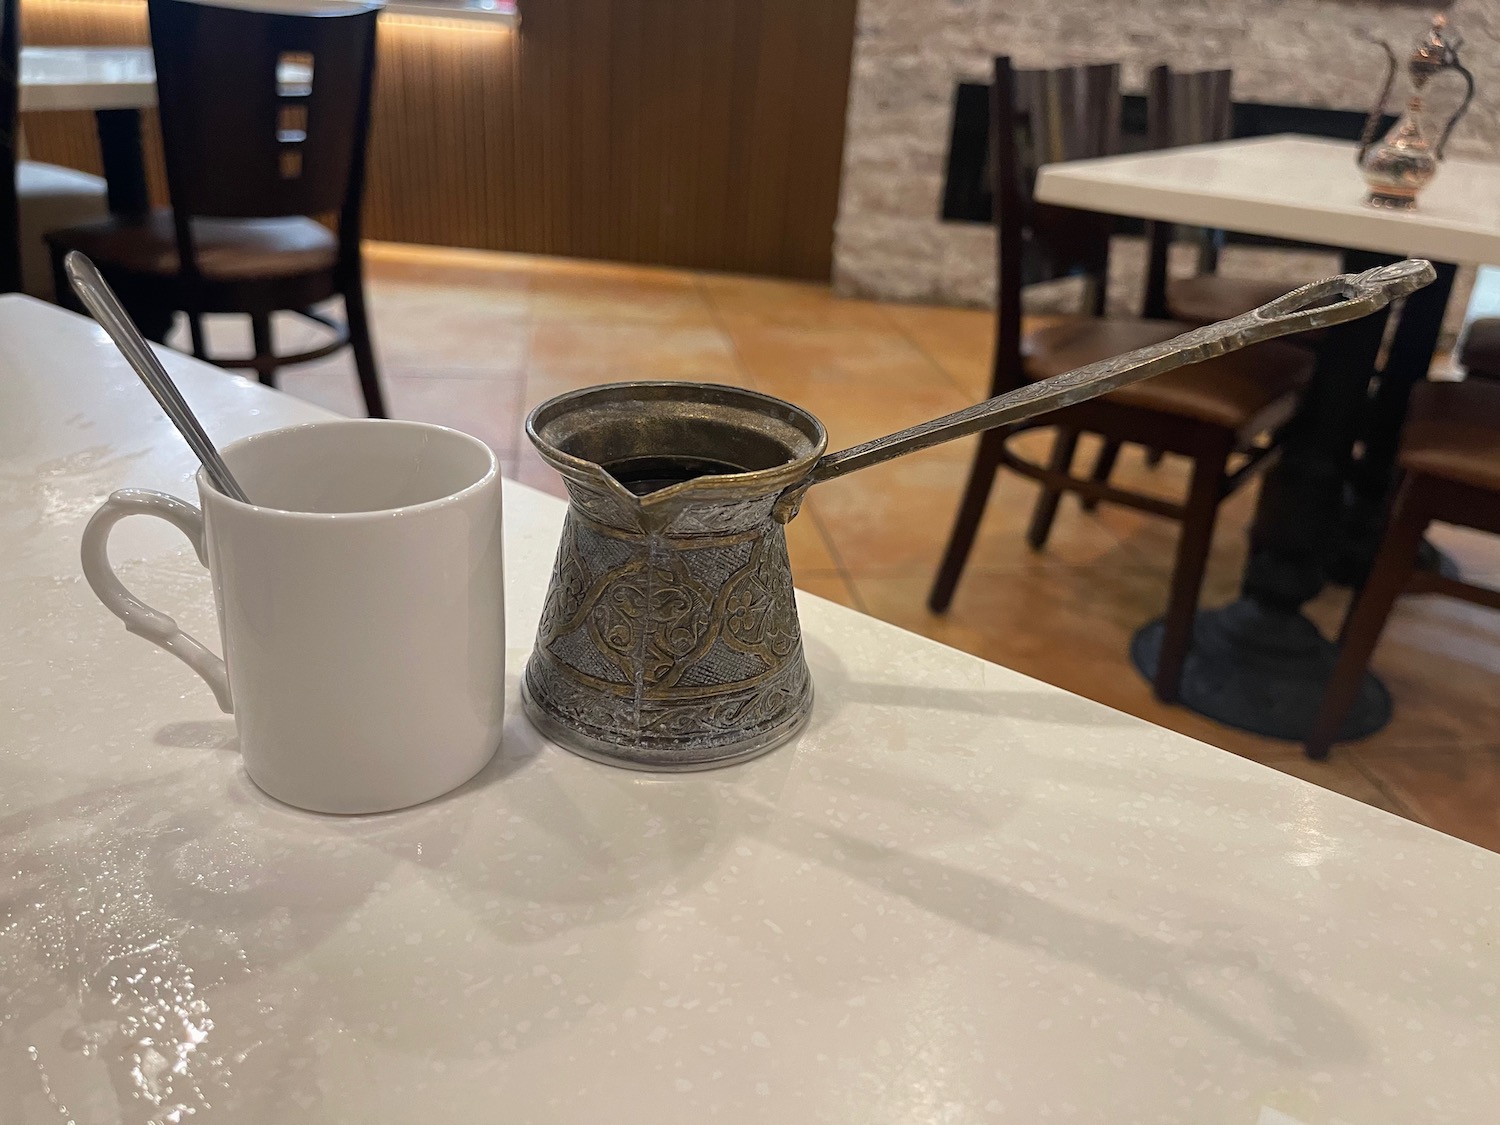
point(908, 55)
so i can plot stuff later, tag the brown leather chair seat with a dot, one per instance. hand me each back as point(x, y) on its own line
point(1453, 431)
point(228, 249)
point(1210, 297)
point(1236, 391)
point(1480, 354)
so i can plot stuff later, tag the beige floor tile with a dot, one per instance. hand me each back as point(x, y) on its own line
point(436, 328)
point(828, 584)
point(490, 409)
point(899, 515)
point(1063, 624)
point(807, 545)
point(600, 294)
point(757, 302)
point(330, 384)
point(1341, 777)
point(570, 354)
point(1440, 659)
point(960, 341)
point(1455, 789)
point(852, 360)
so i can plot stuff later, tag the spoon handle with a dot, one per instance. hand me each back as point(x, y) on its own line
point(1356, 295)
point(101, 301)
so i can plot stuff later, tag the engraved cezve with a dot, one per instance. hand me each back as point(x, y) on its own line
point(669, 637)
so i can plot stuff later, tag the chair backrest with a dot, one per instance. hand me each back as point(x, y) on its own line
point(1188, 107)
point(264, 113)
point(1183, 108)
point(10, 211)
point(1039, 117)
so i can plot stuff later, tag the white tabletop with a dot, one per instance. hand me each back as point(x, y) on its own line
point(960, 896)
point(1303, 188)
point(87, 78)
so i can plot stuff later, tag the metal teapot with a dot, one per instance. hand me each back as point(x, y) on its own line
point(1405, 161)
point(669, 637)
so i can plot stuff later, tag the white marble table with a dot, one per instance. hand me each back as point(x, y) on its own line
point(54, 78)
point(960, 896)
point(116, 83)
point(1304, 188)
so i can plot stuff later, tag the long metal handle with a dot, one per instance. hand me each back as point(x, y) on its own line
point(1357, 295)
point(101, 301)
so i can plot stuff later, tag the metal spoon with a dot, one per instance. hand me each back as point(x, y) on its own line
point(100, 300)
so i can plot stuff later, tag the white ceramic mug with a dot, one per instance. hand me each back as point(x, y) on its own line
point(361, 607)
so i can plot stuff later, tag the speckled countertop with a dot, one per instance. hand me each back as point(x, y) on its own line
point(960, 896)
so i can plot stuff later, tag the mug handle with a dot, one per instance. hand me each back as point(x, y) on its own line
point(139, 617)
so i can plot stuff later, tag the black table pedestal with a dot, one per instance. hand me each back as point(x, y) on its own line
point(1262, 670)
point(1258, 664)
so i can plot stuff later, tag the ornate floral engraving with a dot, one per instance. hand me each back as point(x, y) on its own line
point(705, 637)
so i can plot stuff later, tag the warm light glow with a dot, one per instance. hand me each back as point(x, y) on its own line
point(74, 5)
point(502, 18)
point(435, 22)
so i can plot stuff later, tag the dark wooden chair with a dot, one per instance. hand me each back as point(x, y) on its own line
point(264, 119)
point(1215, 412)
point(1191, 108)
point(1480, 352)
point(34, 197)
point(1450, 458)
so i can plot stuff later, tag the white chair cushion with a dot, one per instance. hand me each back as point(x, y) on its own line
point(51, 197)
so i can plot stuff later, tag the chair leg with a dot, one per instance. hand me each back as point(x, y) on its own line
point(195, 330)
point(1193, 545)
point(364, 350)
point(265, 354)
point(1063, 447)
point(1367, 617)
point(966, 524)
point(1103, 467)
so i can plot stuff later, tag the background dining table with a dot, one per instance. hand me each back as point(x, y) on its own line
point(959, 895)
point(1258, 664)
point(116, 83)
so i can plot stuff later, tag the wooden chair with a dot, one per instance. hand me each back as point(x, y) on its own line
point(1212, 412)
point(1191, 108)
point(1450, 457)
point(1480, 352)
point(264, 117)
point(34, 197)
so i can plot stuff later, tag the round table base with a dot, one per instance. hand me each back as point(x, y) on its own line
point(1262, 671)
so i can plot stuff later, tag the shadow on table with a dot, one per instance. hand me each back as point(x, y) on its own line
point(1295, 1026)
point(834, 689)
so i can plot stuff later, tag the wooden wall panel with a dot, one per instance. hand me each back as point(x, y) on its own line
point(701, 133)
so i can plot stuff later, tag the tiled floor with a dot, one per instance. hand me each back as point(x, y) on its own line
point(474, 340)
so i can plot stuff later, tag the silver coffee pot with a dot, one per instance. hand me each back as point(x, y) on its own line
point(669, 637)
point(1405, 162)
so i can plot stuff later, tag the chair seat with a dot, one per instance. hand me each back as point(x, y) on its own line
point(1210, 297)
point(1480, 354)
point(1453, 431)
point(1233, 390)
point(228, 250)
point(49, 196)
